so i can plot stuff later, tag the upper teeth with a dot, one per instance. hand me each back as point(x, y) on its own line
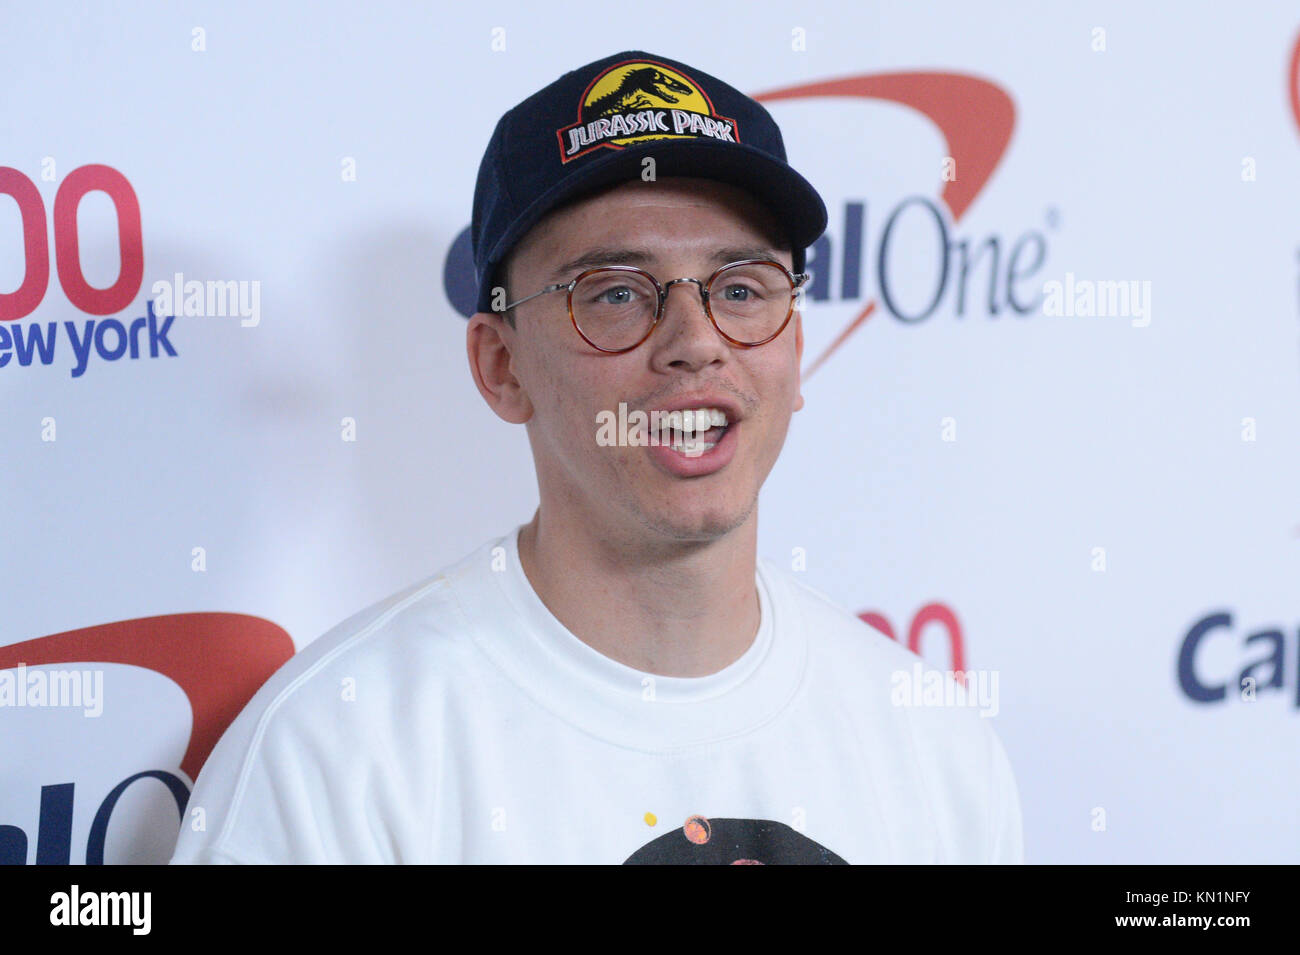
point(694, 419)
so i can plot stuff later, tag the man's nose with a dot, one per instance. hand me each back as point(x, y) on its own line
point(687, 333)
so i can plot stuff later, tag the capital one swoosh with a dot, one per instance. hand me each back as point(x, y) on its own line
point(974, 116)
point(218, 659)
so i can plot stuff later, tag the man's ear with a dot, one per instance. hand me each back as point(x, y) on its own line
point(798, 360)
point(488, 344)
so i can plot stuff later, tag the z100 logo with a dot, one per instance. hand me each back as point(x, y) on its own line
point(108, 338)
point(931, 613)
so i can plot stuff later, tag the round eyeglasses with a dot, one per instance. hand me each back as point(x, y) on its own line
point(614, 308)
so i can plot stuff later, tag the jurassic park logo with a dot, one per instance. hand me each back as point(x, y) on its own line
point(640, 100)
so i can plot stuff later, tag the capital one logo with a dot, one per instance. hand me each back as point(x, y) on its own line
point(975, 118)
point(219, 660)
point(1260, 670)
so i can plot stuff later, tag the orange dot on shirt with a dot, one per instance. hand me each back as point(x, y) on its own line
point(650, 819)
point(697, 830)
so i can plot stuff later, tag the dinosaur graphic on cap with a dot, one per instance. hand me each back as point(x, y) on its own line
point(637, 101)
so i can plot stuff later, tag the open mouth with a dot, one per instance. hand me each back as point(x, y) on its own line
point(693, 433)
point(695, 444)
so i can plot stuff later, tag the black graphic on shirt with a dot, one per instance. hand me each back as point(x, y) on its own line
point(702, 841)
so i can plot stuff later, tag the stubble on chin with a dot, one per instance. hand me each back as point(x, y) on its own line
point(703, 527)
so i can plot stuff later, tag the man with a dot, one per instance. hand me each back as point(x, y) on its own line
point(620, 679)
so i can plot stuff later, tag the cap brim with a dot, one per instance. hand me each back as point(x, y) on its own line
point(793, 201)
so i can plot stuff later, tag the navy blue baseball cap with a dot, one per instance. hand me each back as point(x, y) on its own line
point(593, 127)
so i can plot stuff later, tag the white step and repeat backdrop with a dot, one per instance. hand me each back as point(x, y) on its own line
point(1052, 430)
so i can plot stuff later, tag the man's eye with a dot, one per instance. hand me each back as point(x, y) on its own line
point(619, 295)
point(738, 293)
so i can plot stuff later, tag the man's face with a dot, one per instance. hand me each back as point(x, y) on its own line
point(671, 228)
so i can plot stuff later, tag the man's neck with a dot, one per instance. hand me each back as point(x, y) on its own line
point(675, 611)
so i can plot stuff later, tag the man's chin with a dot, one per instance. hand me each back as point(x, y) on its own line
point(699, 527)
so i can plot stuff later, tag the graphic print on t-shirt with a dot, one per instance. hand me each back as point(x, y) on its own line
point(702, 841)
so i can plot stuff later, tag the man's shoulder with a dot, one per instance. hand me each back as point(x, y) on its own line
point(352, 694)
point(394, 634)
point(832, 628)
point(936, 719)
point(882, 674)
point(392, 652)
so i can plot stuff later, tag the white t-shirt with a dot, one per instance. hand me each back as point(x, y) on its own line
point(459, 721)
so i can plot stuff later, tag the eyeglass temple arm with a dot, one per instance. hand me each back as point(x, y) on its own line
point(527, 298)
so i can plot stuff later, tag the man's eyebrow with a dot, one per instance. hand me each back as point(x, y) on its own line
point(594, 258)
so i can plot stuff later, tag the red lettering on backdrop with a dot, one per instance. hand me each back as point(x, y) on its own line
point(36, 246)
point(878, 621)
point(930, 613)
point(974, 116)
point(67, 254)
point(218, 659)
point(1293, 82)
point(67, 248)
